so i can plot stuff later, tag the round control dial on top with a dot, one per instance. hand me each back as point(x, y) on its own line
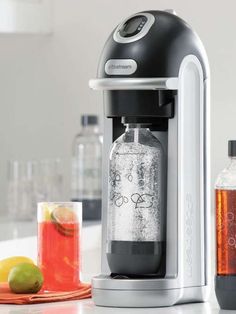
point(134, 28)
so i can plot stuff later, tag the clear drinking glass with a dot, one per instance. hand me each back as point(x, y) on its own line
point(59, 239)
point(21, 189)
point(50, 180)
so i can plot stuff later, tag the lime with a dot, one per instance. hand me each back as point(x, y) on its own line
point(64, 219)
point(25, 278)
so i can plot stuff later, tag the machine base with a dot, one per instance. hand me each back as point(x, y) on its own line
point(103, 295)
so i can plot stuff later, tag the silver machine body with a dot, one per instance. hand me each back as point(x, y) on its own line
point(187, 144)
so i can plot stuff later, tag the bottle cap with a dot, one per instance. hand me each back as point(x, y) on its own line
point(87, 119)
point(232, 148)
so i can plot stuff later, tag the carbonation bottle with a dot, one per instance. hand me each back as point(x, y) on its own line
point(136, 201)
point(225, 199)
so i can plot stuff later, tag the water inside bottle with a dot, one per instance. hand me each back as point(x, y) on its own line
point(134, 198)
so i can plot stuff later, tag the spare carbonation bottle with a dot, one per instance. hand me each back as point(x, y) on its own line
point(136, 201)
point(225, 199)
point(87, 168)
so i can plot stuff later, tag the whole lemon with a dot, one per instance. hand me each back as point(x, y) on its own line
point(6, 265)
point(25, 278)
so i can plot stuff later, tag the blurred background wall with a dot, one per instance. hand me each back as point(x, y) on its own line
point(44, 78)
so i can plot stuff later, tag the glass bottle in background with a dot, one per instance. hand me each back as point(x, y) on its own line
point(87, 168)
point(225, 202)
point(136, 203)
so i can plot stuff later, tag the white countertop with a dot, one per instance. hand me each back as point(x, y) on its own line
point(91, 240)
point(91, 253)
point(88, 307)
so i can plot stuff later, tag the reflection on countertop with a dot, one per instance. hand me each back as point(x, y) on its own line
point(88, 307)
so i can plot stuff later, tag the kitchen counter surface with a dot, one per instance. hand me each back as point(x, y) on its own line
point(88, 307)
point(91, 240)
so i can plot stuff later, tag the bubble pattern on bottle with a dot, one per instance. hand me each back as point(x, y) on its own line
point(135, 193)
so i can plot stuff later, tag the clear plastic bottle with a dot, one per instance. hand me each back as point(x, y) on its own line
point(87, 168)
point(225, 201)
point(136, 193)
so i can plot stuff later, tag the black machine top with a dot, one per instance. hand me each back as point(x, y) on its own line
point(150, 44)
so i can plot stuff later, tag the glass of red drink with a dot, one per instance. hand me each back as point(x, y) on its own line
point(59, 237)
